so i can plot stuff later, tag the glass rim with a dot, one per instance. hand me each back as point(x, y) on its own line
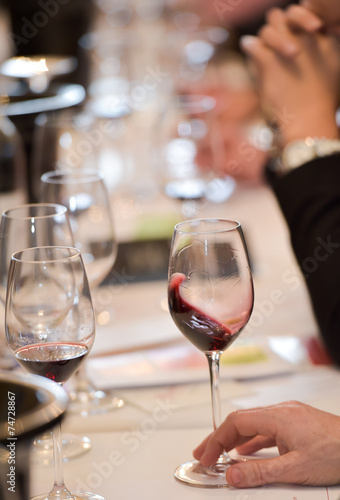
point(60, 210)
point(71, 176)
point(74, 254)
point(235, 224)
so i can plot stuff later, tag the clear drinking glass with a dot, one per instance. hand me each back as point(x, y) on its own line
point(210, 293)
point(25, 226)
point(84, 194)
point(93, 138)
point(50, 327)
point(185, 152)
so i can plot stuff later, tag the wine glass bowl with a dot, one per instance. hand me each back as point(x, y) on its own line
point(63, 328)
point(49, 316)
point(84, 194)
point(31, 225)
point(25, 226)
point(210, 295)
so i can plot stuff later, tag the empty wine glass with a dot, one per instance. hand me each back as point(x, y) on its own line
point(211, 297)
point(92, 138)
point(50, 327)
point(25, 226)
point(84, 194)
point(184, 155)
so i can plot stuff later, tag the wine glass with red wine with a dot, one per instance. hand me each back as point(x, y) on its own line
point(50, 326)
point(210, 293)
point(26, 226)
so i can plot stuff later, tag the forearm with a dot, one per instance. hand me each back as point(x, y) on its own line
point(315, 121)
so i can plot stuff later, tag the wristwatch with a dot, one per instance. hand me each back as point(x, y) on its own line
point(297, 153)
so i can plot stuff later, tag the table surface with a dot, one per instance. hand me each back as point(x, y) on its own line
point(135, 449)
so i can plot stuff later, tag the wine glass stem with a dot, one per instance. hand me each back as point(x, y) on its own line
point(214, 369)
point(189, 209)
point(59, 490)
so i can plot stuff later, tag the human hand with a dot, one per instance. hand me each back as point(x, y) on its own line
point(327, 10)
point(229, 14)
point(308, 441)
point(278, 32)
point(310, 17)
point(299, 94)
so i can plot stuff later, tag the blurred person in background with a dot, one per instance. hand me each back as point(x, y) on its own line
point(242, 139)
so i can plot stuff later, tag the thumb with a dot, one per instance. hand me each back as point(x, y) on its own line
point(282, 469)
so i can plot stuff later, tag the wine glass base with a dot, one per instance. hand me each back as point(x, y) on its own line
point(93, 402)
point(194, 474)
point(73, 446)
point(75, 495)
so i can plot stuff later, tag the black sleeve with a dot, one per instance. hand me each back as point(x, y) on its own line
point(309, 197)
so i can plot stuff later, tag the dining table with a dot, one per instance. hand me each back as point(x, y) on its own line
point(164, 381)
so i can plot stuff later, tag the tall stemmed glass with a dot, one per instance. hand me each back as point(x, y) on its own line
point(211, 297)
point(182, 128)
point(84, 194)
point(187, 143)
point(50, 327)
point(25, 226)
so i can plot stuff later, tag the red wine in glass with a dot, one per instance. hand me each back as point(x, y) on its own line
point(52, 360)
point(206, 333)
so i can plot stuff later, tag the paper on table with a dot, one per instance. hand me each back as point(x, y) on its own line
point(133, 335)
point(175, 364)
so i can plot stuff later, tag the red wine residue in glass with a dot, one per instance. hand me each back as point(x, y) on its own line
point(206, 333)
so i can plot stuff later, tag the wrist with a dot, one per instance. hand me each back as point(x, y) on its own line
point(330, 133)
point(300, 152)
point(320, 125)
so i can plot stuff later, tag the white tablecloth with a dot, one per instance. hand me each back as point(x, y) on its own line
point(133, 454)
